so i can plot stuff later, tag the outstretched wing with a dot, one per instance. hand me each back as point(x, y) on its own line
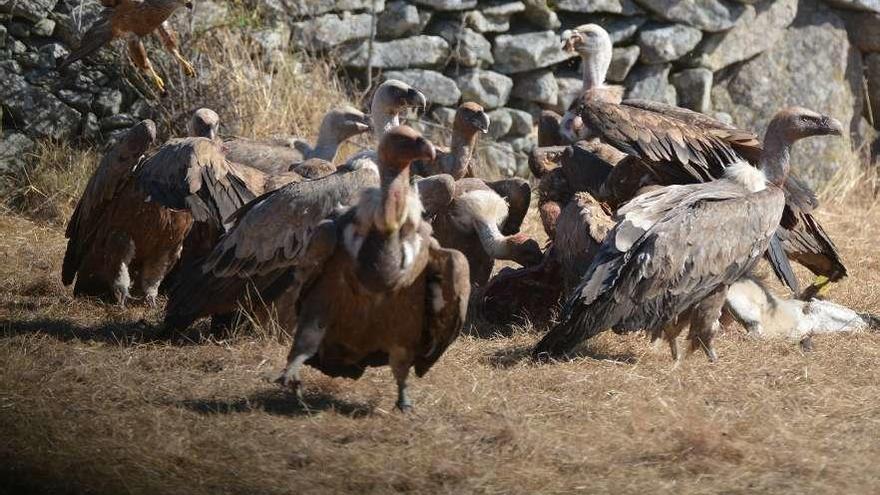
point(448, 291)
point(661, 259)
point(103, 187)
point(193, 174)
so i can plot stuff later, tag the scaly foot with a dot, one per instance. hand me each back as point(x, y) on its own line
point(188, 69)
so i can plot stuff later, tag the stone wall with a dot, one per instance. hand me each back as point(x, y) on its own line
point(739, 60)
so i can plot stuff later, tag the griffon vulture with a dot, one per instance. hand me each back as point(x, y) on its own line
point(384, 291)
point(658, 271)
point(134, 19)
point(670, 145)
point(96, 250)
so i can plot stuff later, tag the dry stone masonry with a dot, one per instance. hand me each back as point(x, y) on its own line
point(739, 60)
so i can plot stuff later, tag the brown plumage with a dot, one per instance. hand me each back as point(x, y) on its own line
point(671, 145)
point(279, 156)
point(457, 160)
point(658, 271)
point(549, 130)
point(96, 250)
point(134, 19)
point(472, 223)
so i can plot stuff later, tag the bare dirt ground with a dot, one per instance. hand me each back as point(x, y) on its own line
point(89, 405)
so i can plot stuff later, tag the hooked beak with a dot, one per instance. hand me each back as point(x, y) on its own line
point(831, 127)
point(362, 123)
point(427, 149)
point(417, 100)
point(481, 122)
point(570, 40)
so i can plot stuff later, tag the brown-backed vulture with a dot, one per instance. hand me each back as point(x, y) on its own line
point(670, 145)
point(186, 182)
point(277, 156)
point(387, 293)
point(96, 251)
point(471, 223)
point(658, 271)
point(457, 160)
point(133, 20)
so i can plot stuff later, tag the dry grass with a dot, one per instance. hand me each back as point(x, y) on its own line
point(89, 405)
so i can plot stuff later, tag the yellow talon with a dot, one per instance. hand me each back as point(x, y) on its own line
point(188, 68)
point(823, 284)
point(157, 81)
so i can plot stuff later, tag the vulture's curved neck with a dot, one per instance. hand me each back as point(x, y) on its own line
point(776, 157)
point(595, 68)
point(462, 148)
point(395, 196)
point(326, 146)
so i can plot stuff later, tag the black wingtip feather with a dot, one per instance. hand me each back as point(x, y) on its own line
point(781, 267)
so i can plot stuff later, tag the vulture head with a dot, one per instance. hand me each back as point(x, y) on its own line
point(594, 46)
point(788, 126)
point(397, 150)
point(470, 118)
point(392, 98)
point(342, 123)
point(204, 123)
point(140, 137)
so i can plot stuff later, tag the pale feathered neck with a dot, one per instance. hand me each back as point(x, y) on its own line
point(747, 176)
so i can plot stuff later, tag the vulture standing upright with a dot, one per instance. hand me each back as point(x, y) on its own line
point(96, 250)
point(381, 290)
point(134, 19)
point(658, 271)
point(280, 156)
point(297, 209)
point(186, 182)
point(670, 145)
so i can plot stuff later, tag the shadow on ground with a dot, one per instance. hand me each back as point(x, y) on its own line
point(280, 403)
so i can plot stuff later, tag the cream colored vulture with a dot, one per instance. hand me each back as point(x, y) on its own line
point(187, 181)
point(97, 249)
point(669, 145)
point(658, 271)
point(278, 156)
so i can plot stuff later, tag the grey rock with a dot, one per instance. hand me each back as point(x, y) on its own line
point(29, 60)
point(863, 29)
point(273, 41)
point(417, 51)
point(622, 61)
point(444, 116)
point(522, 123)
point(141, 110)
point(650, 82)
point(310, 8)
point(34, 110)
point(500, 123)
point(32, 10)
point(13, 148)
point(708, 15)
point(50, 54)
point(570, 86)
point(859, 5)
point(757, 30)
point(469, 48)
point(447, 4)
point(505, 9)
point(3, 35)
point(487, 24)
point(523, 144)
point(872, 71)
point(438, 89)
point(499, 158)
point(107, 102)
point(91, 128)
point(43, 27)
point(207, 15)
point(624, 28)
point(400, 19)
point(18, 47)
point(661, 43)
point(625, 7)
point(529, 51)
point(538, 13)
point(694, 89)
point(863, 135)
point(812, 66)
point(78, 100)
point(539, 87)
point(331, 30)
point(487, 88)
point(20, 30)
point(118, 121)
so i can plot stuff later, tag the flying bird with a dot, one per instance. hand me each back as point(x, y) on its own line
point(658, 271)
point(667, 145)
point(133, 20)
point(97, 250)
point(385, 291)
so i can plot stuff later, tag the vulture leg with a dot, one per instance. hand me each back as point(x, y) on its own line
point(306, 342)
point(169, 39)
point(123, 281)
point(139, 56)
point(153, 271)
point(704, 322)
point(518, 194)
point(400, 363)
point(670, 335)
